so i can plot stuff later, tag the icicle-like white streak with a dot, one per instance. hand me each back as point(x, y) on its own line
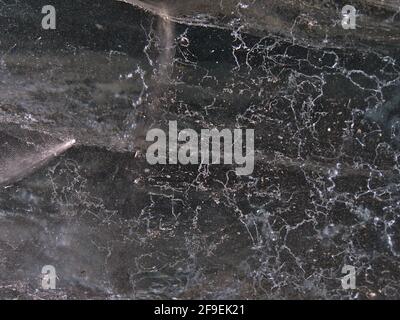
point(159, 10)
point(149, 7)
point(19, 166)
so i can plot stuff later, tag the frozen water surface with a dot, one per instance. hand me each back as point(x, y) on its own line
point(77, 192)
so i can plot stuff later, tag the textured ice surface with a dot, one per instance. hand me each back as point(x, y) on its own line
point(325, 191)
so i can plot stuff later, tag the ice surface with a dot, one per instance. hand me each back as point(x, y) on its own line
point(325, 191)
